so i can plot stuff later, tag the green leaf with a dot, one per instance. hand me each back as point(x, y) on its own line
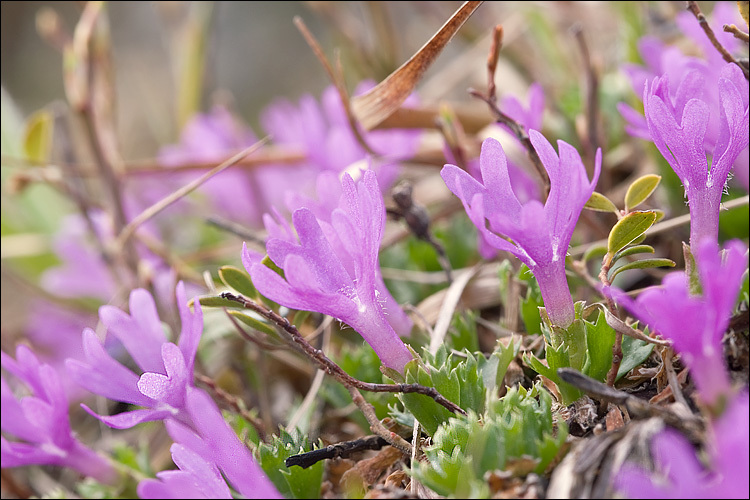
point(214, 301)
point(640, 190)
point(463, 334)
point(594, 252)
point(253, 322)
point(37, 137)
point(600, 338)
point(628, 229)
point(466, 448)
point(641, 264)
point(601, 203)
point(556, 358)
point(429, 414)
point(634, 353)
point(238, 280)
point(272, 266)
point(292, 482)
point(632, 250)
point(494, 369)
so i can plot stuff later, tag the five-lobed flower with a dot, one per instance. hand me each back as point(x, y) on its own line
point(316, 278)
point(167, 367)
point(539, 234)
point(678, 127)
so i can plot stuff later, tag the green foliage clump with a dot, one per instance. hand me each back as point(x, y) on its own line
point(464, 449)
point(292, 482)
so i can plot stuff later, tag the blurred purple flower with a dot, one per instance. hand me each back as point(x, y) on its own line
point(322, 131)
point(678, 128)
point(695, 324)
point(41, 421)
point(55, 333)
point(681, 474)
point(662, 60)
point(316, 278)
point(330, 197)
point(540, 234)
point(201, 451)
point(167, 368)
point(82, 271)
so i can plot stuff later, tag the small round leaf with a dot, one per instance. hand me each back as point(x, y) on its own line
point(628, 229)
point(640, 190)
point(600, 203)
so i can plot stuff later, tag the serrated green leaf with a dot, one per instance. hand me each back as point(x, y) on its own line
point(640, 190)
point(628, 229)
point(600, 338)
point(463, 333)
point(254, 322)
point(37, 137)
point(292, 482)
point(634, 353)
point(238, 280)
point(594, 252)
point(493, 371)
point(466, 448)
point(641, 264)
point(429, 414)
point(632, 250)
point(601, 203)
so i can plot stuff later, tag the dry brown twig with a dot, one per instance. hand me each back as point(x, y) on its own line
point(692, 6)
point(738, 33)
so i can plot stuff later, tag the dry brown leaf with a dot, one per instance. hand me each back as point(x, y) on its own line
point(385, 98)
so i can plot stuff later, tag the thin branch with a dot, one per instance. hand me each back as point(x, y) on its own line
point(332, 368)
point(692, 6)
point(738, 33)
point(160, 205)
point(338, 450)
point(518, 130)
point(592, 92)
point(336, 79)
point(492, 57)
point(691, 425)
point(376, 425)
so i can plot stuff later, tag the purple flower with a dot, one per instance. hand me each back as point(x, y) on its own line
point(678, 128)
point(667, 61)
point(539, 235)
point(55, 333)
point(201, 451)
point(316, 279)
point(82, 272)
point(681, 474)
point(210, 138)
point(696, 324)
point(524, 186)
point(40, 421)
point(167, 368)
point(330, 197)
point(322, 131)
point(196, 478)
